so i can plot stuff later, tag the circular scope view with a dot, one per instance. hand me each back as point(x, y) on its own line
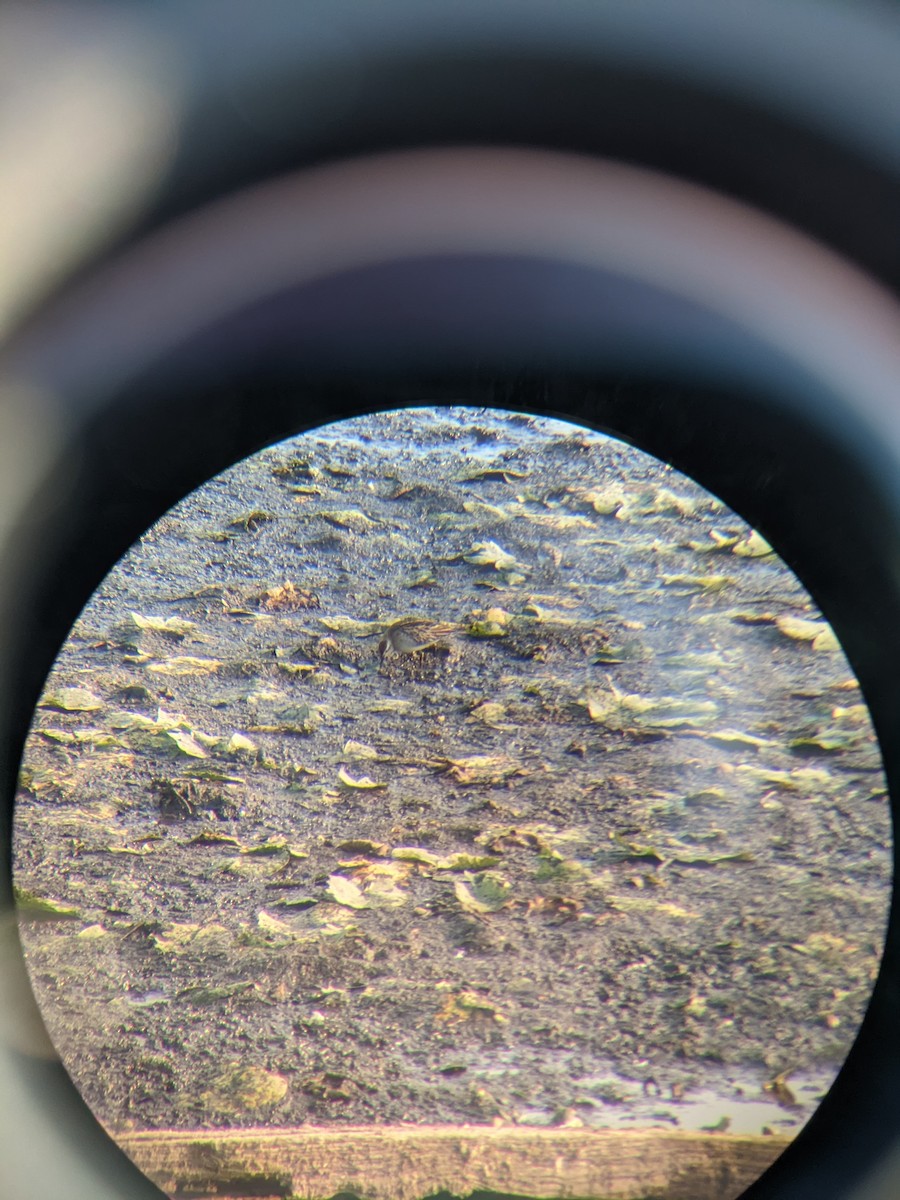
point(451, 768)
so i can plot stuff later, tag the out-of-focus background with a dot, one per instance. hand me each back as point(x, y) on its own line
point(116, 119)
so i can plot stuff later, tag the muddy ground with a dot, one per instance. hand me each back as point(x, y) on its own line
point(614, 852)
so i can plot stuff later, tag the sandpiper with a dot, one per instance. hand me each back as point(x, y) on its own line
point(409, 635)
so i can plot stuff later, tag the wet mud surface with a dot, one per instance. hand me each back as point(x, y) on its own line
point(613, 851)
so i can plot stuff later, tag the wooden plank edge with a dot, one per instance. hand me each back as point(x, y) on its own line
point(411, 1162)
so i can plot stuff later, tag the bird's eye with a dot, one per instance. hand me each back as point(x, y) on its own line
point(602, 844)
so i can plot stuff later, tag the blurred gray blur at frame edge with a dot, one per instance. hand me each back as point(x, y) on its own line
point(52, 1145)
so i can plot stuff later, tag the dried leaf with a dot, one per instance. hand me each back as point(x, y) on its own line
point(619, 710)
point(801, 779)
point(819, 633)
point(853, 714)
point(267, 849)
point(71, 699)
point(99, 739)
point(698, 583)
point(382, 892)
point(349, 625)
point(753, 546)
point(364, 783)
point(735, 737)
point(830, 741)
point(273, 926)
point(209, 837)
point(489, 554)
point(185, 664)
point(712, 860)
point(210, 774)
point(345, 891)
point(353, 519)
point(486, 629)
point(642, 904)
point(710, 661)
point(174, 627)
point(718, 544)
point(181, 937)
point(752, 618)
point(485, 514)
point(484, 893)
point(353, 749)
point(467, 862)
point(186, 743)
point(421, 579)
point(482, 769)
point(548, 616)
point(417, 855)
point(38, 908)
point(651, 502)
point(238, 744)
point(559, 521)
point(161, 723)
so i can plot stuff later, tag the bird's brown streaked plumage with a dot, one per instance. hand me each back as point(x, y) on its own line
point(409, 635)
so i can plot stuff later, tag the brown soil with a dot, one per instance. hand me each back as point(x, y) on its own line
point(627, 860)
